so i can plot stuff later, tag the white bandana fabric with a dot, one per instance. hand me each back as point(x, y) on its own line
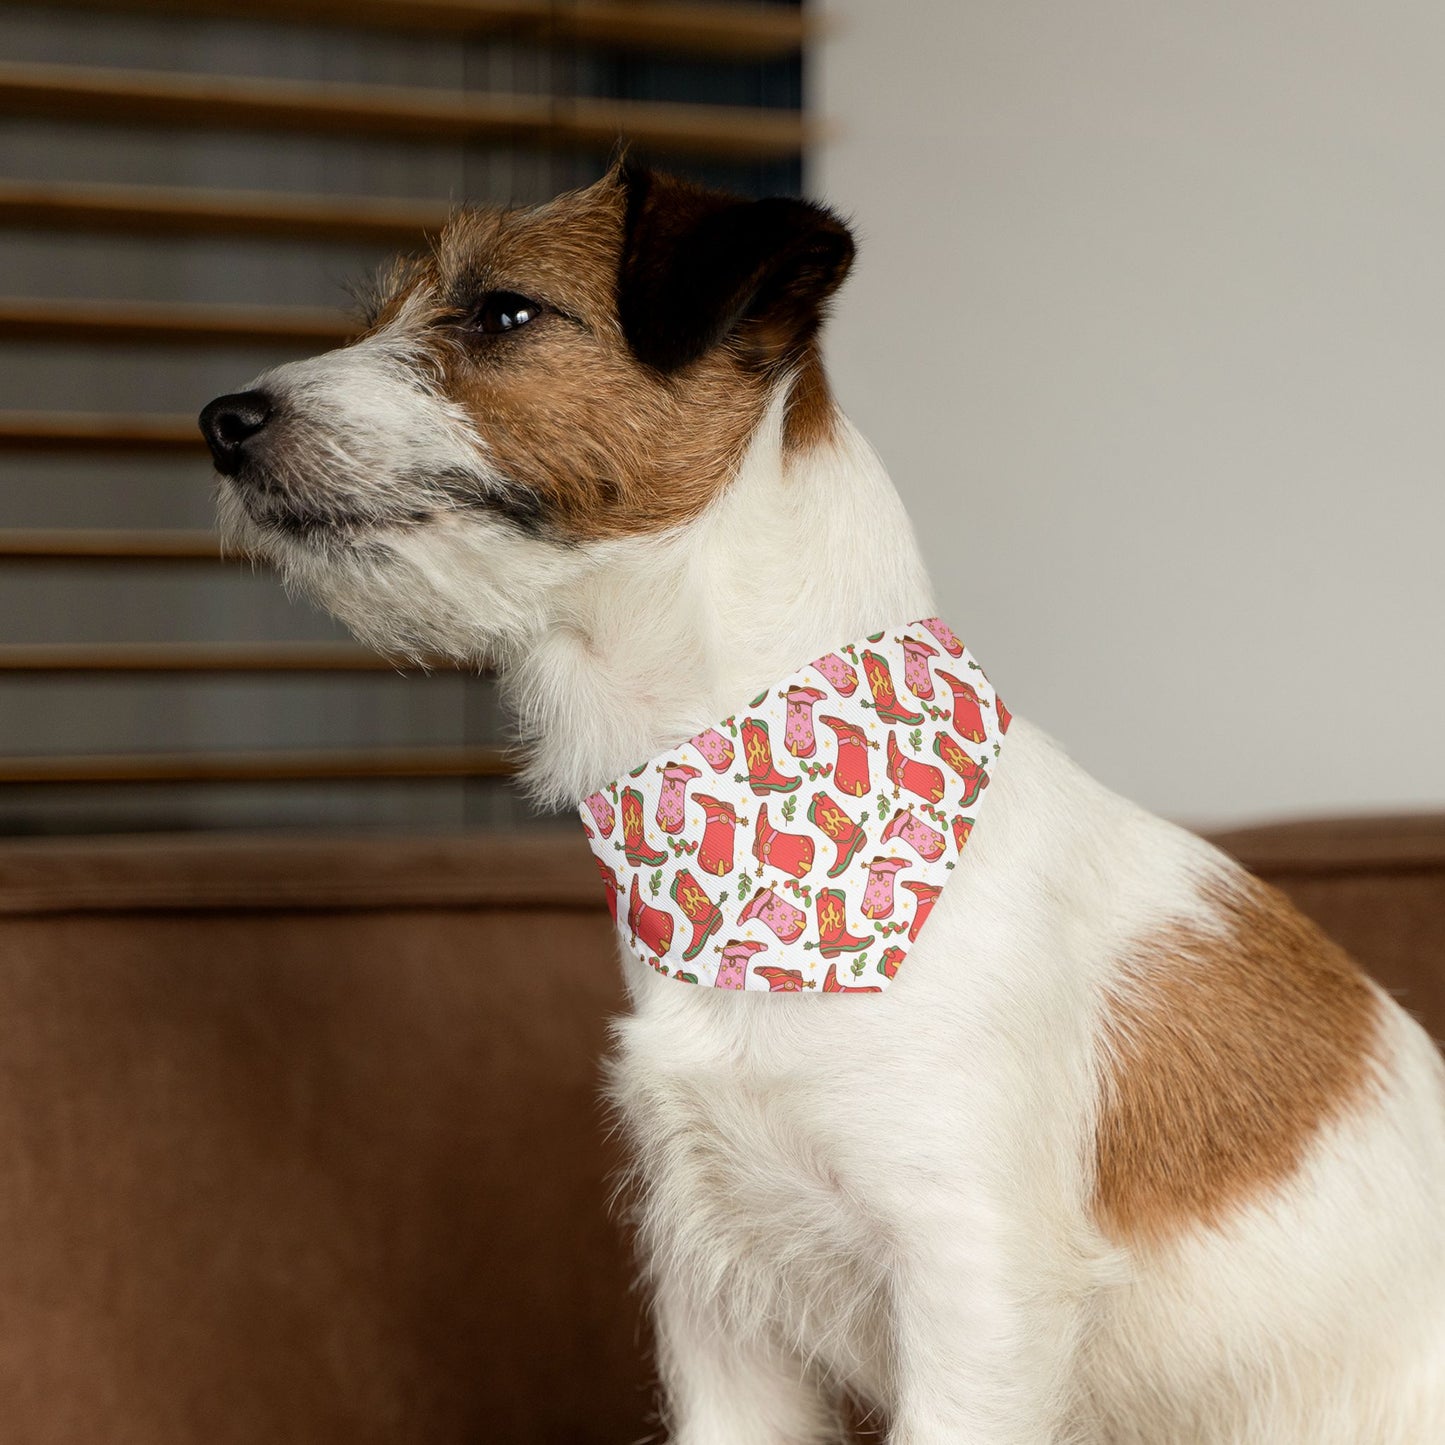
point(801, 843)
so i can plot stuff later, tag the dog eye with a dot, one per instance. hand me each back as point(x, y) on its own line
point(504, 311)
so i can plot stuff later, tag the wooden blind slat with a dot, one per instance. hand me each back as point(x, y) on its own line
point(217, 102)
point(755, 32)
point(82, 544)
point(271, 766)
point(171, 323)
point(172, 211)
point(186, 657)
point(77, 431)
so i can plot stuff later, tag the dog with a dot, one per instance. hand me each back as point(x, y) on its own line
point(1128, 1152)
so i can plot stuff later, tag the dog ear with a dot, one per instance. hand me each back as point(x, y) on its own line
point(699, 266)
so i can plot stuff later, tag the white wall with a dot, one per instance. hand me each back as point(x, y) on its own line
point(1149, 324)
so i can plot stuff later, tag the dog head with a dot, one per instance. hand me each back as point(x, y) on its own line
point(546, 383)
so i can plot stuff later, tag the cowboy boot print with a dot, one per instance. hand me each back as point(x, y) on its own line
point(732, 972)
point(763, 777)
point(652, 925)
point(945, 635)
point(885, 700)
point(962, 827)
point(916, 676)
point(716, 750)
point(921, 779)
point(927, 842)
point(967, 709)
point(892, 957)
point(878, 891)
point(850, 772)
point(785, 921)
point(975, 778)
point(672, 799)
point(841, 674)
point(927, 896)
point(780, 980)
point(635, 847)
point(831, 984)
point(833, 935)
point(1005, 717)
point(610, 883)
point(790, 853)
point(798, 736)
point(603, 813)
point(699, 910)
point(720, 821)
point(827, 816)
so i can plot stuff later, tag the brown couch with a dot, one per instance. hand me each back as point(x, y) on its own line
point(302, 1141)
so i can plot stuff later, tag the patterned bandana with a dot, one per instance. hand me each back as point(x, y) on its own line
point(788, 876)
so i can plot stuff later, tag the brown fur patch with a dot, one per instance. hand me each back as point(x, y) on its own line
point(812, 415)
point(1226, 1054)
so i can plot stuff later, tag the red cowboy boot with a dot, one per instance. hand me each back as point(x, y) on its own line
point(839, 673)
point(922, 779)
point(974, 776)
point(878, 891)
point(672, 800)
point(945, 635)
point(927, 842)
point(850, 773)
point(732, 972)
point(610, 883)
point(833, 935)
point(602, 813)
point(786, 921)
point(798, 735)
point(888, 964)
point(780, 980)
point(962, 827)
point(927, 896)
point(831, 984)
point(652, 925)
point(885, 700)
point(790, 853)
point(635, 847)
point(716, 750)
point(699, 910)
point(916, 676)
point(1005, 717)
point(763, 777)
point(715, 853)
point(967, 709)
point(826, 814)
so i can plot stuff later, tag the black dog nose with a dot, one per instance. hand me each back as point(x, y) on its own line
point(229, 422)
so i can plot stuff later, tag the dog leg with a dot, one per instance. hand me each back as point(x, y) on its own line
point(721, 1389)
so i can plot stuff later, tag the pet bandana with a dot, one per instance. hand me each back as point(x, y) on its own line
point(801, 843)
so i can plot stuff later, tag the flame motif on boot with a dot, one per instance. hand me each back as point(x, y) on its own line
point(850, 772)
point(798, 735)
point(790, 853)
point(699, 910)
point(635, 847)
point(763, 776)
point(885, 700)
point(974, 776)
point(967, 708)
point(831, 984)
point(921, 779)
point(833, 935)
point(826, 814)
point(652, 925)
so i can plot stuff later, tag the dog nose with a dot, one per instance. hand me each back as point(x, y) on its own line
point(229, 422)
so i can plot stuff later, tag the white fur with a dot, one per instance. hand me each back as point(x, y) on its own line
point(890, 1195)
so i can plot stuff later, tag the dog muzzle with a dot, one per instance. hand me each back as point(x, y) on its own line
point(801, 843)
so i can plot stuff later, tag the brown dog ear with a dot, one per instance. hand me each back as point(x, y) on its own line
point(699, 266)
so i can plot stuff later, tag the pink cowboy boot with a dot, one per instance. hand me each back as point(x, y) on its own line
point(715, 853)
point(716, 750)
point(974, 775)
point(785, 921)
point(916, 676)
point(831, 984)
point(927, 896)
point(967, 709)
point(780, 980)
point(652, 925)
point(798, 735)
point(826, 814)
point(927, 842)
point(763, 777)
point(885, 700)
point(921, 779)
point(945, 635)
point(635, 847)
point(732, 972)
point(839, 673)
point(878, 891)
point(790, 853)
point(888, 964)
point(833, 935)
point(603, 813)
point(672, 799)
point(699, 910)
point(850, 772)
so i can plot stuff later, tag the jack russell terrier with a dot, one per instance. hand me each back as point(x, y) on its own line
point(1117, 1148)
